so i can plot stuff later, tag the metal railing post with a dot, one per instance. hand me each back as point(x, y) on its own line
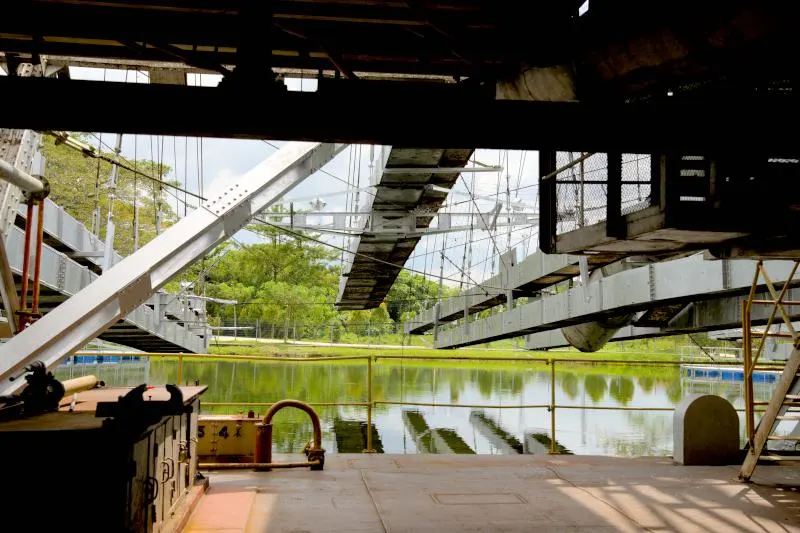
point(552, 364)
point(370, 403)
point(747, 348)
point(179, 378)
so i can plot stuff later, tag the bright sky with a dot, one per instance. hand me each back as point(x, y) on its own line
point(224, 160)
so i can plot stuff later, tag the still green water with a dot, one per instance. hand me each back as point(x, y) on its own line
point(420, 429)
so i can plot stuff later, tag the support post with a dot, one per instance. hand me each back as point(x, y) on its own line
point(179, 376)
point(26, 262)
point(615, 224)
point(748, 374)
point(370, 403)
point(37, 265)
point(8, 289)
point(553, 449)
point(548, 202)
point(286, 325)
point(582, 201)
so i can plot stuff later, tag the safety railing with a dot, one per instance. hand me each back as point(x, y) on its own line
point(370, 403)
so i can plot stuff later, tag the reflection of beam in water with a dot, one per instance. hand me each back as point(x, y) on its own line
point(448, 441)
point(351, 436)
point(419, 430)
point(538, 443)
point(433, 440)
point(500, 438)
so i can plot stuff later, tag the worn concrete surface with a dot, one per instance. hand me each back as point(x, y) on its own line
point(430, 493)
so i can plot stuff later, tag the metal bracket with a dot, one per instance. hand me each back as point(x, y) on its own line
point(135, 294)
point(237, 218)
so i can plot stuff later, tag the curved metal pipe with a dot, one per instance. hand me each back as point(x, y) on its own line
point(303, 406)
point(263, 453)
point(21, 179)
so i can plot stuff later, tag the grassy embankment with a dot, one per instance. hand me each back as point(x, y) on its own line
point(438, 357)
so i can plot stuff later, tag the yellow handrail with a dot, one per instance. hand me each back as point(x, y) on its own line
point(370, 402)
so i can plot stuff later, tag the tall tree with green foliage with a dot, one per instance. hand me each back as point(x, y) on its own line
point(285, 280)
point(412, 294)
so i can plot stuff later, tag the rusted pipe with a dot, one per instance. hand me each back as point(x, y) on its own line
point(26, 264)
point(257, 466)
point(37, 265)
point(263, 451)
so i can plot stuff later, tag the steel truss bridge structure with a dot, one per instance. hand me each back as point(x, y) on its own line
point(704, 92)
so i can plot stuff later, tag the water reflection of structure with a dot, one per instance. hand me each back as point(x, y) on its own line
point(501, 439)
point(538, 443)
point(433, 440)
point(351, 436)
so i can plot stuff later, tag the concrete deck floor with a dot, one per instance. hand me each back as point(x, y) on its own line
point(436, 493)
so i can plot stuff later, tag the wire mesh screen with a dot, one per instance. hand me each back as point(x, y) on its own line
point(636, 189)
point(582, 188)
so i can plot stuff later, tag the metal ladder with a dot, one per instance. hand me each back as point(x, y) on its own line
point(786, 396)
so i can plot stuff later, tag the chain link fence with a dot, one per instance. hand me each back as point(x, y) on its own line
point(636, 183)
point(582, 188)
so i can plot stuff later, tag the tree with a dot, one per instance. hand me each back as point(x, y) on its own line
point(413, 293)
point(79, 184)
point(287, 279)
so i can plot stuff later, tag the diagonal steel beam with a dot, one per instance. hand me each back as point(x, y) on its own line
point(133, 280)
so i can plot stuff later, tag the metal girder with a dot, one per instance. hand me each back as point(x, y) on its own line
point(16, 150)
point(681, 280)
point(440, 170)
point(62, 277)
point(335, 113)
point(395, 222)
point(706, 316)
point(526, 278)
point(134, 279)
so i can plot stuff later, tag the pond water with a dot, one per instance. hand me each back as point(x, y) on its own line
point(506, 427)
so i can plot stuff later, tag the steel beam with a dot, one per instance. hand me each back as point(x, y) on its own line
point(62, 277)
point(686, 280)
point(709, 315)
point(440, 170)
point(336, 114)
point(526, 278)
point(134, 279)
